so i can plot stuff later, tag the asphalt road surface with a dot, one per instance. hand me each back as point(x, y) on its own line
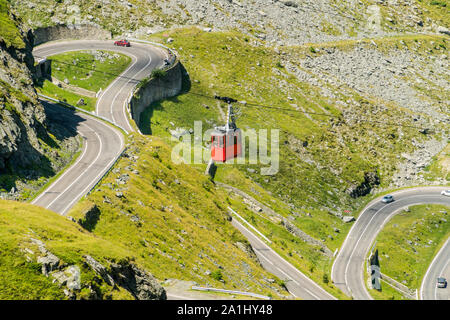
point(112, 101)
point(440, 267)
point(348, 272)
point(102, 145)
point(299, 285)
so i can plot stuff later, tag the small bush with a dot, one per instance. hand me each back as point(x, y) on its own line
point(325, 278)
point(158, 73)
point(217, 275)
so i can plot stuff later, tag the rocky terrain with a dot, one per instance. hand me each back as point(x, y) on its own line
point(30, 146)
point(405, 76)
point(275, 21)
point(380, 67)
point(412, 75)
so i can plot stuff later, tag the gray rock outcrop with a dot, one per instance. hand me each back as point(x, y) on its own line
point(141, 284)
point(100, 269)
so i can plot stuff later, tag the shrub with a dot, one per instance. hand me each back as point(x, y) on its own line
point(325, 278)
point(158, 73)
point(217, 275)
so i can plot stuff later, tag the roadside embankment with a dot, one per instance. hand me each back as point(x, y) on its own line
point(63, 31)
point(156, 88)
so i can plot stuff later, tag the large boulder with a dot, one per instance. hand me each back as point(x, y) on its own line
point(141, 284)
point(371, 179)
point(99, 269)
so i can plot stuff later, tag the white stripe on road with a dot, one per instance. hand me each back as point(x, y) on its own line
point(63, 175)
point(79, 176)
point(287, 263)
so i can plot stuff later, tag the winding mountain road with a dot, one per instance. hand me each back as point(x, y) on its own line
point(348, 272)
point(112, 101)
point(439, 267)
point(103, 143)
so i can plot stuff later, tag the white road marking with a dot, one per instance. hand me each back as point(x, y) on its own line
point(92, 163)
point(265, 258)
point(289, 264)
point(63, 175)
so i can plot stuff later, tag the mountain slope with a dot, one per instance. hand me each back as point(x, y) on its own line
point(279, 22)
point(30, 147)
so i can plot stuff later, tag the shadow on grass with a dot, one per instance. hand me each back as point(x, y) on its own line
point(146, 116)
point(29, 163)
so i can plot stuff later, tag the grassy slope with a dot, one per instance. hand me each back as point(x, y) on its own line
point(86, 73)
point(440, 166)
point(225, 64)
point(83, 70)
point(9, 32)
point(23, 280)
point(49, 89)
point(173, 220)
point(427, 227)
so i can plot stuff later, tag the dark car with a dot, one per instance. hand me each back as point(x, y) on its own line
point(387, 199)
point(122, 43)
point(441, 283)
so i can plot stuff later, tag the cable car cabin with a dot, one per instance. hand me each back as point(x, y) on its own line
point(225, 144)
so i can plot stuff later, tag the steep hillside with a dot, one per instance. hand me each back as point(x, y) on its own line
point(148, 218)
point(287, 22)
point(340, 138)
point(31, 149)
point(45, 256)
point(173, 220)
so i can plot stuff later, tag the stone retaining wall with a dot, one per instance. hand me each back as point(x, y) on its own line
point(62, 31)
point(156, 89)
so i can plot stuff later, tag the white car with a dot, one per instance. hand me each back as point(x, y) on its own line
point(387, 199)
point(446, 193)
point(441, 282)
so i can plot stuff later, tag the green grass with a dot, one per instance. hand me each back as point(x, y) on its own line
point(182, 229)
point(84, 71)
point(23, 280)
point(307, 258)
point(9, 31)
point(410, 240)
point(386, 293)
point(437, 10)
point(224, 63)
point(53, 91)
point(54, 178)
point(440, 166)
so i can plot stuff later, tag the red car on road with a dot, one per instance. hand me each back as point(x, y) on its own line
point(122, 43)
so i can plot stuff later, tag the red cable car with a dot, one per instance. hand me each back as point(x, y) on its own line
point(226, 141)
